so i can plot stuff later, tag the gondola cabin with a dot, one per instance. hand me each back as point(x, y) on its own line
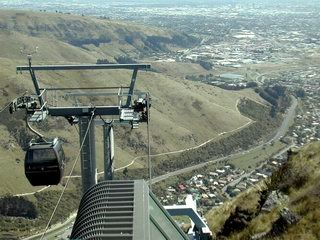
point(44, 163)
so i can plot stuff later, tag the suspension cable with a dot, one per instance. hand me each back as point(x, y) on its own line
point(5, 107)
point(149, 144)
point(76, 129)
point(72, 169)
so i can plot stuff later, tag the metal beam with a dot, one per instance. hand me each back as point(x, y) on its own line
point(84, 111)
point(133, 82)
point(81, 94)
point(108, 151)
point(141, 218)
point(36, 85)
point(183, 210)
point(88, 153)
point(83, 67)
point(80, 88)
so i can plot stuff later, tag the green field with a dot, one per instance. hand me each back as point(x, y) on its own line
point(251, 159)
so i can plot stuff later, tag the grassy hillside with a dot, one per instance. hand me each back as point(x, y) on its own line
point(294, 214)
point(102, 38)
point(184, 113)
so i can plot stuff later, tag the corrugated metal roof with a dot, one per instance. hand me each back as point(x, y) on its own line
point(106, 212)
point(123, 210)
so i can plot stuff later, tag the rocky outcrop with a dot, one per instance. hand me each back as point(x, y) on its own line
point(285, 220)
point(237, 221)
point(274, 199)
point(240, 218)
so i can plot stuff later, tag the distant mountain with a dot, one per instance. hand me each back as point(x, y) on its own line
point(86, 32)
point(166, 2)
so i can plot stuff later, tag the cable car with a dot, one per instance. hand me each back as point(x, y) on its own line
point(44, 163)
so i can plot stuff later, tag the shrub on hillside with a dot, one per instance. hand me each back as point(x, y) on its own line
point(17, 207)
point(125, 60)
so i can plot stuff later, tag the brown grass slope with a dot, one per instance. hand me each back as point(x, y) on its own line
point(183, 114)
point(102, 38)
point(299, 180)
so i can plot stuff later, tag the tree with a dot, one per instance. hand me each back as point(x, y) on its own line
point(125, 171)
point(125, 60)
point(300, 93)
point(102, 61)
point(252, 84)
point(273, 111)
point(205, 65)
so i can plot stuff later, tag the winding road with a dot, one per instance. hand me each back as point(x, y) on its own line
point(156, 155)
point(236, 181)
point(280, 132)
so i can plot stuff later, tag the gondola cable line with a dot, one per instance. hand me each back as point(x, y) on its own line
point(148, 138)
point(69, 177)
point(5, 107)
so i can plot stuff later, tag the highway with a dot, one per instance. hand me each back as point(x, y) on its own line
point(286, 123)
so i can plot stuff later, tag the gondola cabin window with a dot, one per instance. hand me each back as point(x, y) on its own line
point(40, 155)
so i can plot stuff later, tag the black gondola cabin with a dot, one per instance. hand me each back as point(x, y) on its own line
point(44, 163)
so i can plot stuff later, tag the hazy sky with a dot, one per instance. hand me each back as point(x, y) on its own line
point(38, 4)
point(165, 1)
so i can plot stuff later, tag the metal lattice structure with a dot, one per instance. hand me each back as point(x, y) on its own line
point(125, 111)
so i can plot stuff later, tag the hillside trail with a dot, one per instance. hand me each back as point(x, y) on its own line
point(250, 121)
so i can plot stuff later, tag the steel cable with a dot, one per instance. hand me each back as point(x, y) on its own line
point(72, 169)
